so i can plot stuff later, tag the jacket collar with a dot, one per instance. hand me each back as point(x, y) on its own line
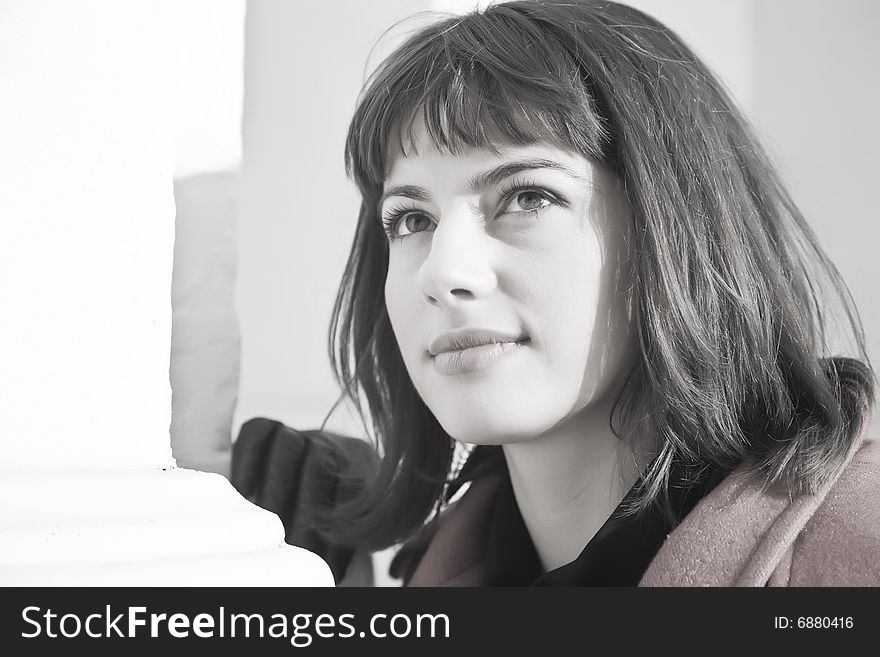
point(741, 534)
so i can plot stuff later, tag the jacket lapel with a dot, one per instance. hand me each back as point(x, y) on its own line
point(715, 541)
point(456, 554)
point(738, 535)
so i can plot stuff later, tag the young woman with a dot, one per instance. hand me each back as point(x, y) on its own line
point(574, 259)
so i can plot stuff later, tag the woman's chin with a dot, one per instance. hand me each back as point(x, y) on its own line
point(486, 429)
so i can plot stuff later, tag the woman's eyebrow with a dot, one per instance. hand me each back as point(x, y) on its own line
point(407, 191)
point(483, 180)
point(494, 176)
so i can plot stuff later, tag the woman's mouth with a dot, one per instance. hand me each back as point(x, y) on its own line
point(472, 359)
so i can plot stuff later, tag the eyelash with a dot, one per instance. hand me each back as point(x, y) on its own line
point(395, 216)
point(508, 191)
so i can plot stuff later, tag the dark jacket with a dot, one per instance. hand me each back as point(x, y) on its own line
point(299, 475)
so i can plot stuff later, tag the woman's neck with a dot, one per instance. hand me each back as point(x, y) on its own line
point(568, 481)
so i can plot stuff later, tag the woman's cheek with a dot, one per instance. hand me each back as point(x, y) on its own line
point(402, 304)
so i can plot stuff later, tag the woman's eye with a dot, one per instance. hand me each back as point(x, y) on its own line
point(527, 201)
point(412, 222)
point(400, 224)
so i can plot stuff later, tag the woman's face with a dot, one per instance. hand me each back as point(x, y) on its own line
point(525, 249)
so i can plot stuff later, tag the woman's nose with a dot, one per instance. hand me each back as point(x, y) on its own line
point(459, 266)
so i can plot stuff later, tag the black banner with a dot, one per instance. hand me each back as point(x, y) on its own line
point(432, 621)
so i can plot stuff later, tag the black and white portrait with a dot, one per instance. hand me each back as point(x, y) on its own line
point(436, 293)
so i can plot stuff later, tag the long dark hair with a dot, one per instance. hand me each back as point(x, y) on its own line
point(732, 291)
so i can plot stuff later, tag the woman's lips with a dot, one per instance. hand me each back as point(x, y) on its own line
point(472, 359)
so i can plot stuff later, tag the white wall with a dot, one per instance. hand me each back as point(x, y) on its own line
point(87, 217)
point(818, 99)
point(208, 44)
point(304, 68)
